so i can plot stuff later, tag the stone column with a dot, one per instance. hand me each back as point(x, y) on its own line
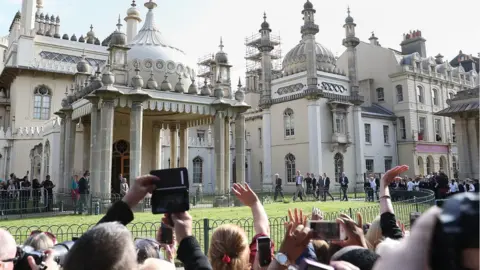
point(67, 149)
point(173, 146)
point(72, 141)
point(463, 148)
point(250, 165)
point(86, 146)
point(61, 177)
point(473, 145)
point(183, 134)
point(95, 144)
point(267, 150)
point(240, 148)
point(136, 133)
point(218, 133)
point(107, 112)
point(314, 137)
point(157, 141)
point(228, 162)
point(359, 145)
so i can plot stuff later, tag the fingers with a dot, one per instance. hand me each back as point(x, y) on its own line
point(289, 229)
point(147, 180)
point(359, 219)
point(290, 215)
point(31, 263)
point(248, 187)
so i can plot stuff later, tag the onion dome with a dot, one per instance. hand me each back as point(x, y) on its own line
point(179, 85)
point(107, 77)
point(119, 38)
point(70, 96)
point(83, 66)
point(205, 91)
point(265, 25)
point(97, 41)
point(137, 80)
point(221, 56)
point(90, 36)
point(65, 36)
point(165, 86)
point(218, 92)
point(308, 5)
point(97, 82)
point(57, 20)
point(52, 19)
point(296, 61)
point(192, 89)
point(349, 18)
point(133, 11)
point(81, 39)
point(73, 38)
point(152, 83)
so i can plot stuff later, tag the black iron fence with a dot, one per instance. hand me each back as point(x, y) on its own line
point(407, 202)
point(16, 204)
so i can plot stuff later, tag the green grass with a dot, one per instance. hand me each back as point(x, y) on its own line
point(273, 210)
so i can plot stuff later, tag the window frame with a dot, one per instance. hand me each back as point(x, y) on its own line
point(368, 135)
point(435, 99)
point(420, 93)
point(42, 111)
point(386, 136)
point(290, 167)
point(402, 124)
point(421, 131)
point(385, 160)
point(437, 125)
point(197, 161)
point(399, 92)
point(380, 94)
point(338, 165)
point(372, 169)
point(289, 123)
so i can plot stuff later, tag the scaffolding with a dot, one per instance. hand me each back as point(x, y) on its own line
point(253, 56)
point(205, 66)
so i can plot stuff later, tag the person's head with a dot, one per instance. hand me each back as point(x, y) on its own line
point(147, 248)
point(298, 173)
point(371, 176)
point(86, 173)
point(105, 246)
point(40, 240)
point(157, 264)
point(343, 174)
point(229, 248)
point(276, 176)
point(321, 250)
point(47, 177)
point(361, 257)
point(8, 250)
point(324, 175)
point(374, 234)
point(308, 174)
point(124, 180)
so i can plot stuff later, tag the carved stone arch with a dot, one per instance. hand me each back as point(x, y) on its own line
point(197, 173)
point(42, 89)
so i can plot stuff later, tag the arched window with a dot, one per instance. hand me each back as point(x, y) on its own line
point(338, 164)
point(380, 94)
point(454, 166)
point(420, 94)
point(42, 97)
point(399, 89)
point(430, 165)
point(290, 168)
point(421, 170)
point(46, 159)
point(443, 163)
point(197, 170)
point(289, 122)
point(435, 97)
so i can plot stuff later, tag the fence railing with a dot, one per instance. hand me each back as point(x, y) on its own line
point(31, 203)
point(417, 201)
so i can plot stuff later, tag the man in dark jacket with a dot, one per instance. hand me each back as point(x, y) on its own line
point(344, 186)
point(84, 190)
point(48, 193)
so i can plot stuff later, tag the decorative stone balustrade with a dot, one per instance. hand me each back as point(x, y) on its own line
point(52, 65)
point(36, 132)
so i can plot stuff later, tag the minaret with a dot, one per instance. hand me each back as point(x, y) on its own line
point(27, 20)
point(265, 48)
point(309, 30)
point(351, 41)
point(132, 20)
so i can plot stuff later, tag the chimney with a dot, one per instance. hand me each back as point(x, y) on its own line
point(414, 42)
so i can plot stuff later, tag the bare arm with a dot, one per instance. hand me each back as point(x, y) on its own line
point(260, 219)
point(385, 201)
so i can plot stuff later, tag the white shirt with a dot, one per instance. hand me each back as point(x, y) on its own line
point(410, 186)
point(471, 187)
point(373, 185)
point(453, 187)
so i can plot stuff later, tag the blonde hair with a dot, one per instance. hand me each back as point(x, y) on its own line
point(229, 240)
point(321, 248)
point(153, 264)
point(39, 241)
point(374, 234)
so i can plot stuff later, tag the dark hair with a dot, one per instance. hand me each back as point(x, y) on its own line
point(146, 248)
point(86, 172)
point(360, 257)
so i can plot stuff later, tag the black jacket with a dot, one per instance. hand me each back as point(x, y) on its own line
point(188, 252)
point(83, 186)
point(340, 181)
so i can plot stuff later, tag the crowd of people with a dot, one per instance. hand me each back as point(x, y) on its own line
point(16, 193)
point(445, 238)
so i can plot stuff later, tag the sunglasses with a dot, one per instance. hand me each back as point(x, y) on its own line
point(54, 239)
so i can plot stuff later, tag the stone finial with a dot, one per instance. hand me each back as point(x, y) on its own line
point(152, 83)
point(192, 89)
point(97, 82)
point(81, 39)
point(205, 91)
point(137, 80)
point(179, 86)
point(73, 38)
point(240, 95)
point(218, 93)
point(107, 77)
point(165, 86)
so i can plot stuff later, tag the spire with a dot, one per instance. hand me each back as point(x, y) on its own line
point(133, 4)
point(119, 23)
point(239, 83)
point(221, 44)
point(349, 18)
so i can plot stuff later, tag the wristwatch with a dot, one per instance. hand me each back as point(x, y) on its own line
point(282, 259)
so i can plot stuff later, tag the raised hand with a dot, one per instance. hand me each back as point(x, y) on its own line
point(317, 214)
point(353, 231)
point(245, 194)
point(297, 217)
point(295, 241)
point(393, 174)
point(139, 189)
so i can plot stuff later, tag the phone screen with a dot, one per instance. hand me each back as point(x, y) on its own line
point(264, 251)
point(413, 217)
point(166, 235)
point(171, 194)
point(326, 230)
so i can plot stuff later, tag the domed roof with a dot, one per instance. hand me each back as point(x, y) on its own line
point(308, 5)
point(149, 50)
point(133, 10)
point(296, 61)
point(221, 56)
point(118, 38)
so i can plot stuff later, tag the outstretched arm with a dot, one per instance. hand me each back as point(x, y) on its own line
point(260, 219)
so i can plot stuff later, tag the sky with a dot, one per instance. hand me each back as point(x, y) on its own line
point(195, 26)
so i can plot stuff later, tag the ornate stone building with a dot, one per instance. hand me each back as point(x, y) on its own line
point(126, 105)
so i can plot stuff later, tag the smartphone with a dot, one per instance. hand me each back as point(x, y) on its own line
point(172, 191)
point(413, 217)
point(314, 265)
point(365, 228)
point(264, 251)
point(327, 230)
point(166, 235)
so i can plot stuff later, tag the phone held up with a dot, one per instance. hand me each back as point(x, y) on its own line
point(171, 194)
point(264, 251)
point(166, 236)
point(327, 230)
